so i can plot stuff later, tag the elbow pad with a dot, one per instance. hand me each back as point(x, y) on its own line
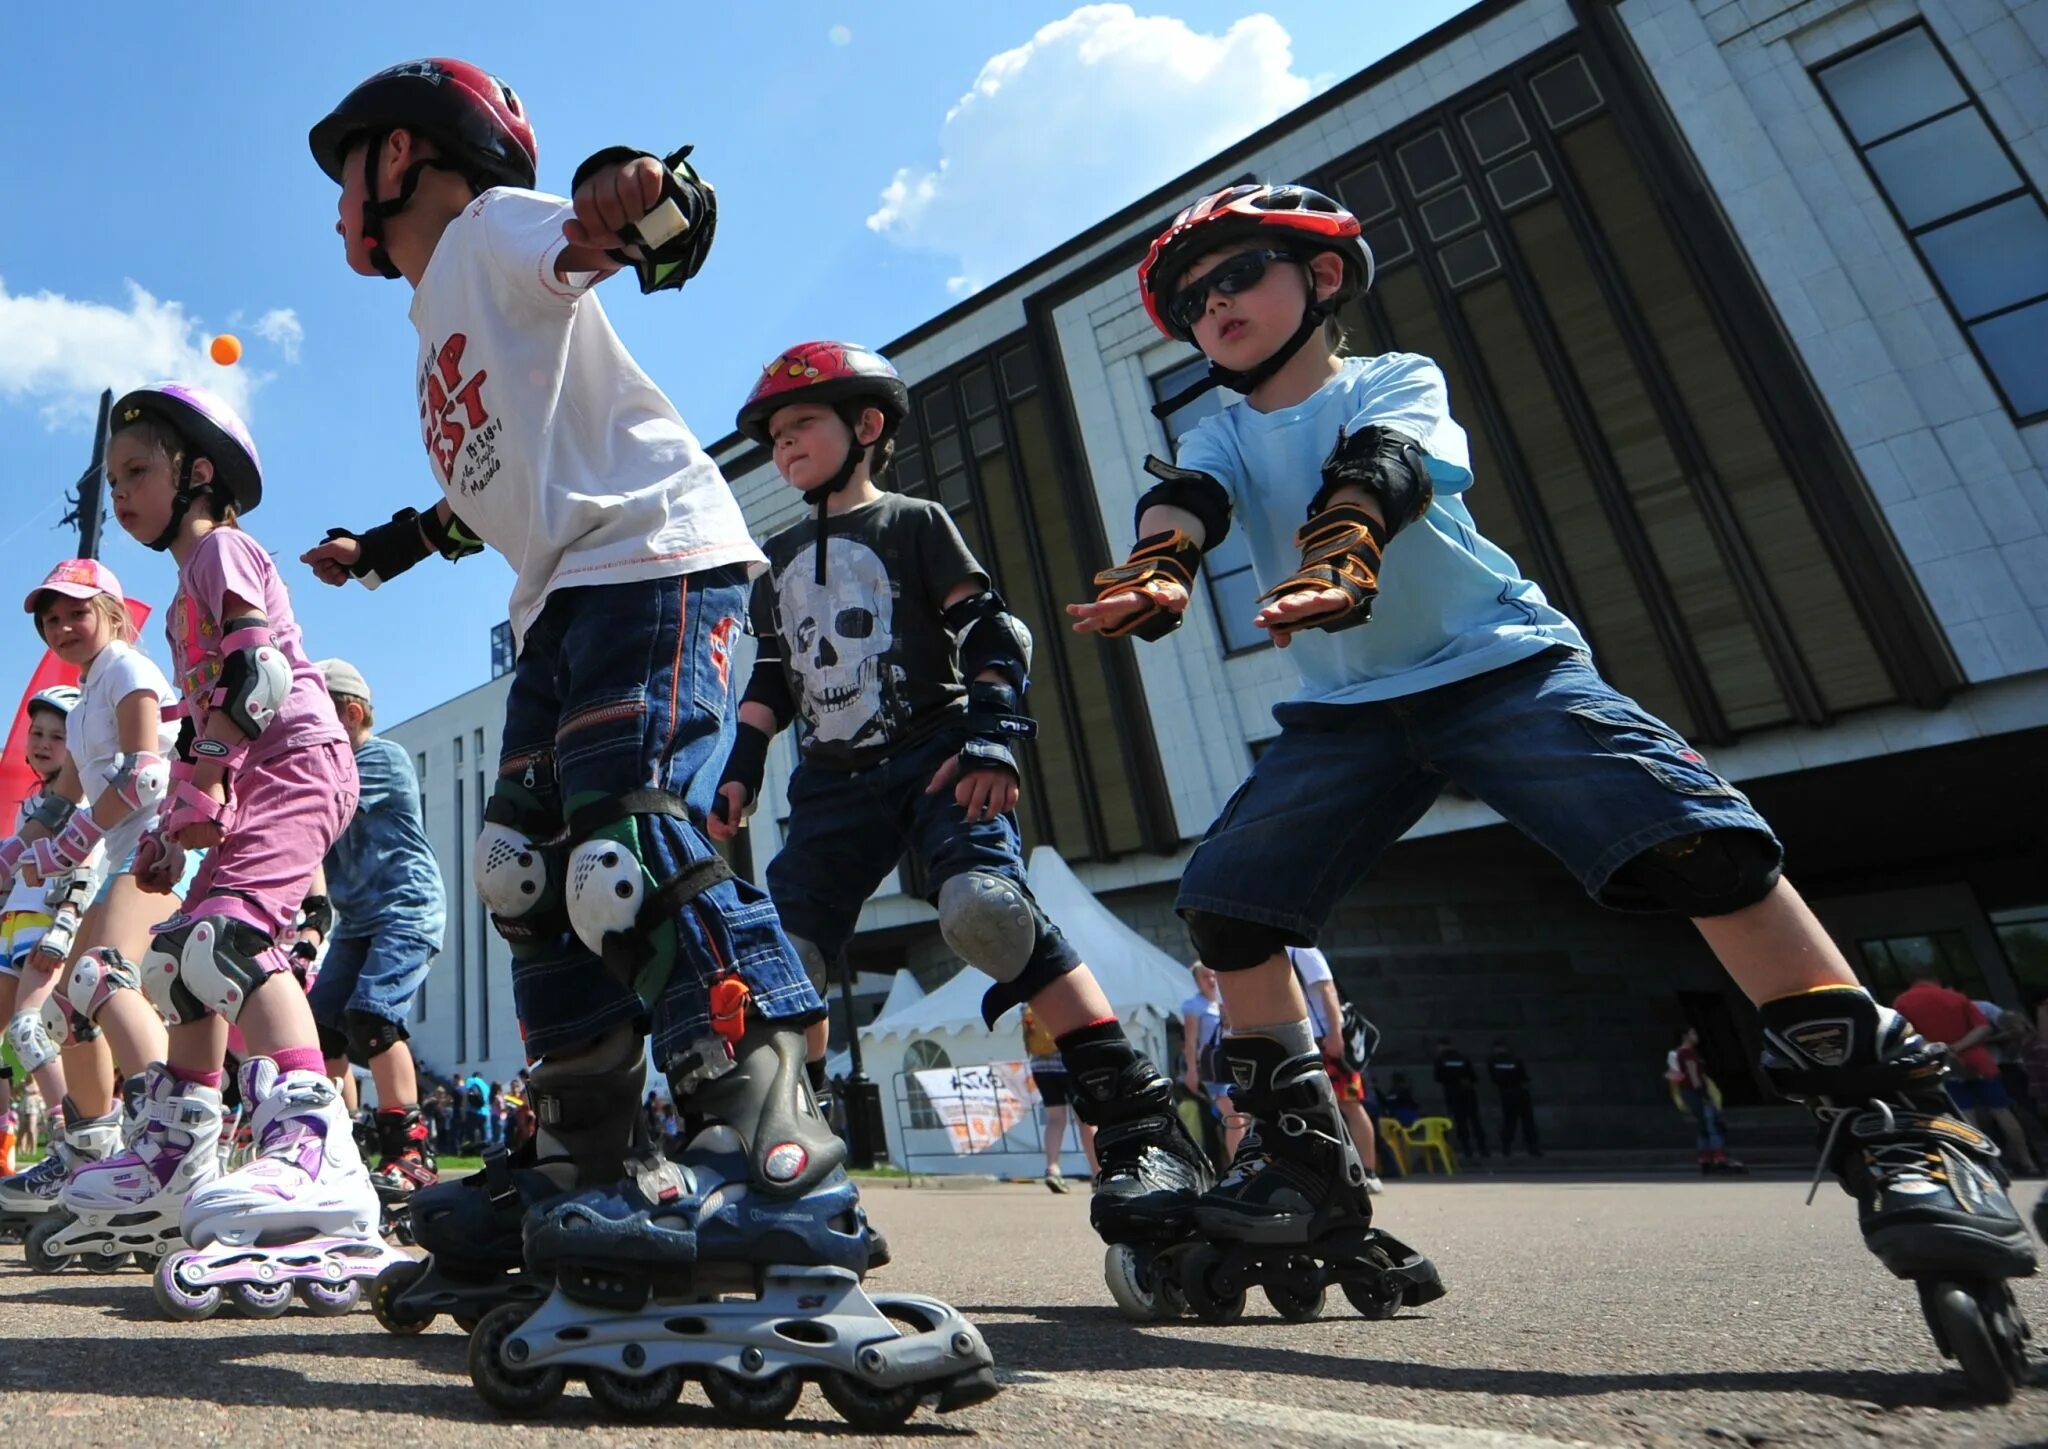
point(1388, 467)
point(1192, 491)
point(991, 637)
point(255, 678)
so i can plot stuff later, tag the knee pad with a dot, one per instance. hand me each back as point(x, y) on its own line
point(65, 1026)
point(992, 923)
point(815, 965)
point(31, 1039)
point(1713, 873)
point(202, 964)
point(333, 1040)
point(616, 904)
point(1226, 943)
point(518, 878)
point(370, 1035)
point(95, 977)
point(586, 1103)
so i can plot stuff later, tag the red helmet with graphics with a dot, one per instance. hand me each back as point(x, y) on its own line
point(1295, 217)
point(830, 373)
point(475, 118)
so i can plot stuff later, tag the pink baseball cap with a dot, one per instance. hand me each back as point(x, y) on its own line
point(75, 578)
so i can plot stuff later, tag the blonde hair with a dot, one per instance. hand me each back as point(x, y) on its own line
point(109, 608)
point(173, 444)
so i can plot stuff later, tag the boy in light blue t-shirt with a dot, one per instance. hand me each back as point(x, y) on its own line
point(1348, 476)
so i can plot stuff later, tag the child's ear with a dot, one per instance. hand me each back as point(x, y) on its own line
point(1328, 270)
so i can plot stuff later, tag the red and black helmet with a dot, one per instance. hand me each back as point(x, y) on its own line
point(475, 118)
point(1297, 217)
point(829, 373)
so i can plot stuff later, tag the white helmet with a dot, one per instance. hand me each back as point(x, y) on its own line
point(63, 698)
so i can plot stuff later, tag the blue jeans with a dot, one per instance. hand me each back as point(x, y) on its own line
point(848, 828)
point(622, 687)
point(379, 975)
point(1584, 771)
point(1712, 1137)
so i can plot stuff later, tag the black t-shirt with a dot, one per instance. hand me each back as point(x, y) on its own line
point(869, 660)
point(1508, 1073)
point(1454, 1071)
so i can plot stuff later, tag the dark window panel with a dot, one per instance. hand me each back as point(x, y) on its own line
point(1890, 86)
point(1991, 259)
point(1020, 372)
point(1428, 162)
point(2016, 347)
point(1942, 167)
point(1811, 597)
point(1236, 598)
point(908, 471)
point(1389, 242)
point(1565, 92)
point(1520, 181)
point(978, 392)
point(1495, 128)
point(1447, 215)
point(939, 416)
point(946, 454)
point(1469, 259)
point(955, 491)
point(1366, 192)
point(986, 434)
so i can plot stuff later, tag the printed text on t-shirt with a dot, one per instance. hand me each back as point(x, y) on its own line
point(456, 422)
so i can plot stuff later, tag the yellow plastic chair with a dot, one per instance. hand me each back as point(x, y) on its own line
point(1394, 1138)
point(1432, 1135)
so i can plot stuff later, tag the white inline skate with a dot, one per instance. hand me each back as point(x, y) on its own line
point(130, 1202)
point(28, 1200)
point(302, 1215)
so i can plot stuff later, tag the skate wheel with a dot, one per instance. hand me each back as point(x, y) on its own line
point(757, 1402)
point(330, 1300)
point(1134, 1280)
point(1966, 1333)
point(180, 1299)
point(36, 1250)
point(1210, 1294)
point(262, 1300)
point(634, 1396)
point(392, 1282)
point(867, 1408)
point(103, 1262)
point(467, 1319)
point(1375, 1301)
point(517, 1393)
point(1296, 1305)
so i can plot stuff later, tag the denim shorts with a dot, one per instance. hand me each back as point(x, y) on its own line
point(849, 828)
point(1581, 769)
point(379, 975)
point(1978, 1094)
point(624, 687)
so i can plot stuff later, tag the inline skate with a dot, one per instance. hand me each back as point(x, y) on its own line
point(300, 1216)
point(1930, 1191)
point(738, 1266)
point(405, 1164)
point(29, 1199)
point(1292, 1215)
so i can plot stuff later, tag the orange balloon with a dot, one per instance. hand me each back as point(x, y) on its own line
point(226, 349)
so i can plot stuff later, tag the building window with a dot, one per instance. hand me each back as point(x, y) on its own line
point(502, 655)
point(1890, 965)
point(2024, 935)
point(1980, 228)
point(461, 934)
point(1227, 568)
point(922, 1056)
point(483, 930)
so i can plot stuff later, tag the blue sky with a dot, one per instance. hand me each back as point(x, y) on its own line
point(873, 163)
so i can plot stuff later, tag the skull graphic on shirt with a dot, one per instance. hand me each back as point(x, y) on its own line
point(836, 634)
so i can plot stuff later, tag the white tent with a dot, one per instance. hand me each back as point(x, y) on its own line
point(944, 1029)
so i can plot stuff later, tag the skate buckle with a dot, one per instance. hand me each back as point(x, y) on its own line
point(704, 1060)
point(660, 1181)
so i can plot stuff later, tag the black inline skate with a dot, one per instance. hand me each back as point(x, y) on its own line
point(403, 1150)
point(738, 1266)
point(585, 1107)
point(1150, 1172)
point(1930, 1191)
point(1291, 1215)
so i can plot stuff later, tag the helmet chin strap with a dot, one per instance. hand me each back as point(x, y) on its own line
point(181, 504)
point(819, 496)
point(1312, 318)
point(375, 211)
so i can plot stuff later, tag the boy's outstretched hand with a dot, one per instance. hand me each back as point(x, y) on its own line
point(612, 197)
point(983, 794)
point(1291, 613)
point(332, 560)
point(725, 823)
point(1114, 609)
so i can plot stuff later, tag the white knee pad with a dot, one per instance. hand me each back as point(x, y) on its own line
point(32, 1039)
point(989, 922)
point(204, 964)
point(511, 872)
point(95, 977)
point(606, 888)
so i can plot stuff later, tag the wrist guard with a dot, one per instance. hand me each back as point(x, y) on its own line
point(744, 766)
point(1171, 557)
point(452, 540)
point(994, 719)
point(1340, 549)
point(667, 246)
point(317, 914)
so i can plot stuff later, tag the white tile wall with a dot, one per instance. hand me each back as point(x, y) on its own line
point(1963, 489)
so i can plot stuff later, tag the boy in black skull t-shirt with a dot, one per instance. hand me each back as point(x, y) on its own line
point(905, 674)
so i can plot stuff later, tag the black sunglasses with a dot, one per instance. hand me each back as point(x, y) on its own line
point(1240, 273)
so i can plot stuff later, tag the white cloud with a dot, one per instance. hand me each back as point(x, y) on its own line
point(58, 352)
point(280, 327)
point(1088, 115)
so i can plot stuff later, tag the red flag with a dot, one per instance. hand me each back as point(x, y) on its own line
point(17, 780)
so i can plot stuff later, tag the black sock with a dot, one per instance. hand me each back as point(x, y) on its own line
point(816, 1072)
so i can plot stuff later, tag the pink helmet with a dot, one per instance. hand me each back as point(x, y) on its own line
point(214, 430)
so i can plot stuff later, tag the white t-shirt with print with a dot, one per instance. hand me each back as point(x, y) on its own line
point(1312, 966)
point(92, 731)
point(546, 437)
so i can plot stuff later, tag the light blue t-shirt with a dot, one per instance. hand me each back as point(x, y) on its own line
point(1451, 604)
point(381, 873)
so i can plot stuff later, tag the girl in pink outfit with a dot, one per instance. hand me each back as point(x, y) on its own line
point(265, 783)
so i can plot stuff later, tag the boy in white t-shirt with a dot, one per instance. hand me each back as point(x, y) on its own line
point(553, 447)
point(1326, 1020)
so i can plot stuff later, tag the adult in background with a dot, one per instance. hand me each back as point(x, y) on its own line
point(1510, 1077)
point(1454, 1073)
